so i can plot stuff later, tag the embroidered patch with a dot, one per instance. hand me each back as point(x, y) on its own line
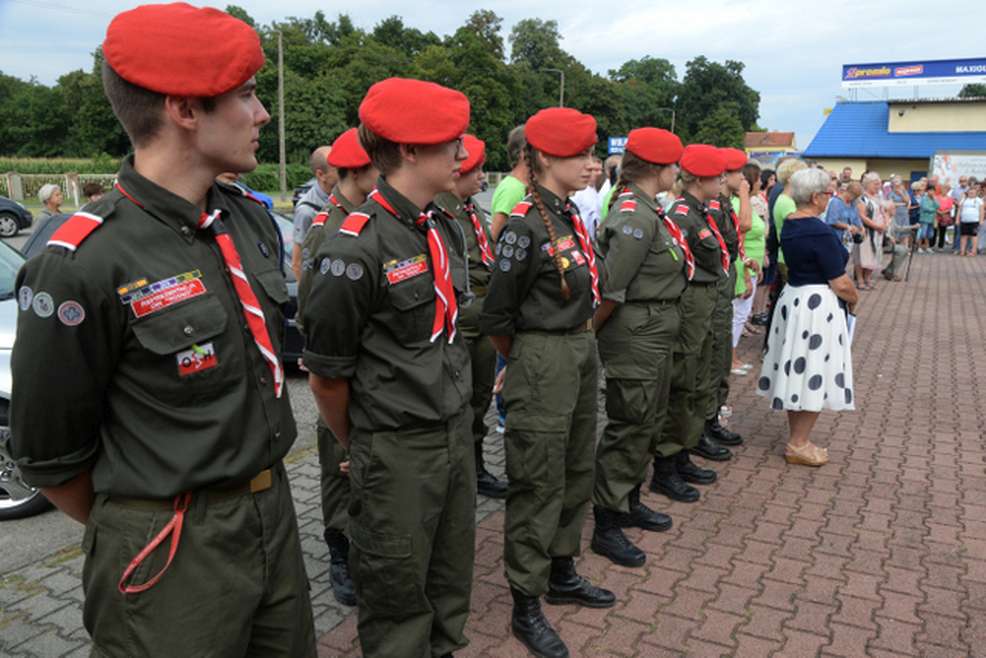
point(24, 297)
point(197, 359)
point(508, 251)
point(71, 313)
point(499, 248)
point(638, 233)
point(681, 209)
point(43, 305)
point(565, 263)
point(140, 288)
point(578, 257)
point(354, 271)
point(403, 270)
point(521, 254)
point(524, 242)
point(325, 266)
point(627, 229)
point(337, 267)
point(166, 297)
point(563, 244)
point(264, 249)
point(505, 265)
point(510, 237)
point(704, 233)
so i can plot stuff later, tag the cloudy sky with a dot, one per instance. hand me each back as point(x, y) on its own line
point(793, 50)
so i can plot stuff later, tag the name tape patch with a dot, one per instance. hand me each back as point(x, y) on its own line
point(403, 270)
point(197, 359)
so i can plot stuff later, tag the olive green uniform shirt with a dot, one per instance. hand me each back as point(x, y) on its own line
point(721, 211)
point(642, 262)
point(690, 215)
point(525, 289)
point(337, 210)
point(147, 373)
point(369, 317)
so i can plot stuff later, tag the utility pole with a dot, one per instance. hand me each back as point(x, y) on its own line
point(667, 109)
point(283, 167)
point(561, 92)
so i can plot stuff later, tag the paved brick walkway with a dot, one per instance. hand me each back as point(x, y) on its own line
point(880, 553)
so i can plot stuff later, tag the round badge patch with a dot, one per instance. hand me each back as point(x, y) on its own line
point(43, 305)
point(508, 251)
point(71, 313)
point(565, 263)
point(638, 233)
point(521, 254)
point(24, 297)
point(523, 242)
point(499, 247)
point(338, 267)
point(505, 265)
point(510, 237)
point(627, 230)
point(354, 271)
point(324, 267)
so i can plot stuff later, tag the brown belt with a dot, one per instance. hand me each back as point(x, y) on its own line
point(261, 482)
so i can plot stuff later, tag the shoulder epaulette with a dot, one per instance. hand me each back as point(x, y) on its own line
point(320, 219)
point(629, 205)
point(681, 209)
point(75, 230)
point(353, 224)
point(714, 205)
point(520, 210)
point(244, 192)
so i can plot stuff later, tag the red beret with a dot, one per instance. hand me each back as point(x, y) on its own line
point(702, 160)
point(561, 131)
point(734, 159)
point(347, 152)
point(477, 153)
point(654, 145)
point(414, 112)
point(181, 50)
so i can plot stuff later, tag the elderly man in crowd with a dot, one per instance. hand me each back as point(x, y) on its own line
point(312, 201)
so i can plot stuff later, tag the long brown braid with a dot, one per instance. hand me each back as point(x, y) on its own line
point(534, 168)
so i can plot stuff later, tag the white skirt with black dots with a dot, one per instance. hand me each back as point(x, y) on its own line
point(808, 366)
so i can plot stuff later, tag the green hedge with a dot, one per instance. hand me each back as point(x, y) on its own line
point(266, 177)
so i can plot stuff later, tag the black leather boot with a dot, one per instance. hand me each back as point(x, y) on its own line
point(689, 472)
point(609, 541)
point(721, 435)
point(566, 586)
point(667, 481)
point(711, 450)
point(641, 516)
point(339, 578)
point(530, 627)
point(487, 484)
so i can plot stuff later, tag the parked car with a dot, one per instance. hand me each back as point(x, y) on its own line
point(17, 499)
point(13, 217)
point(300, 191)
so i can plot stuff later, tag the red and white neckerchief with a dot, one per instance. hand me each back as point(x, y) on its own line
point(679, 241)
point(740, 238)
point(586, 244)
point(484, 245)
point(723, 251)
point(446, 307)
point(252, 313)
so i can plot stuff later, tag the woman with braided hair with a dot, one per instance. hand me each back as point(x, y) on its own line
point(538, 313)
point(647, 269)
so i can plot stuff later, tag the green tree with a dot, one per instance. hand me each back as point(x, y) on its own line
point(721, 127)
point(647, 88)
point(536, 43)
point(708, 85)
point(973, 91)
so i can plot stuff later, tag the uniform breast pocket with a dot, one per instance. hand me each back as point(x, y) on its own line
point(276, 288)
point(413, 309)
point(183, 345)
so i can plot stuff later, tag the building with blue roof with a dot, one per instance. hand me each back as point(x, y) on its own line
point(897, 136)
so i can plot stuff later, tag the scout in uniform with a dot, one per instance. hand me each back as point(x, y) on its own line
point(473, 258)
point(150, 401)
point(392, 381)
point(538, 313)
point(701, 168)
point(733, 223)
point(357, 178)
point(647, 265)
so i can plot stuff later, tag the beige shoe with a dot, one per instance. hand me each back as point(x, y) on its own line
point(806, 455)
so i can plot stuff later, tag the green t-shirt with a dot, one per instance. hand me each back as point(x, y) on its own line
point(754, 245)
point(604, 209)
point(783, 207)
point(507, 194)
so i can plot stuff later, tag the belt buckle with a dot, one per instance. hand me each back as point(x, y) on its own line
point(262, 482)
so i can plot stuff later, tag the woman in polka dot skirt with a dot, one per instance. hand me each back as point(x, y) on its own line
point(808, 366)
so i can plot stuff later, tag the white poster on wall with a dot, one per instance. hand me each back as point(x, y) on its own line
point(948, 167)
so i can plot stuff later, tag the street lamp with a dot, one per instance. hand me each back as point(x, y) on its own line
point(561, 93)
point(667, 109)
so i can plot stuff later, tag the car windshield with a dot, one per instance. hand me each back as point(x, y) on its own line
point(10, 264)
